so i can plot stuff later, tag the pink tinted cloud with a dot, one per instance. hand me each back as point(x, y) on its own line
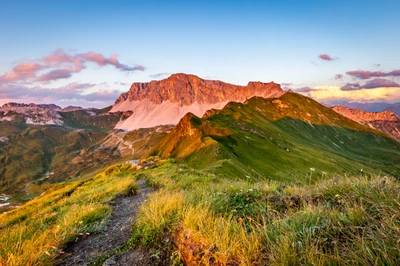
point(94, 57)
point(372, 84)
point(21, 72)
point(351, 87)
point(57, 57)
point(338, 76)
point(326, 57)
point(61, 65)
point(362, 74)
point(380, 83)
point(55, 74)
point(112, 60)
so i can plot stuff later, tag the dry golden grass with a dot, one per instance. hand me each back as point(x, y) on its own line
point(35, 233)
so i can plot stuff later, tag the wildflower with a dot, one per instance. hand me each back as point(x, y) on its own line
point(312, 169)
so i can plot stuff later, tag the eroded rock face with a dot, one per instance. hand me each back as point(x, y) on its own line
point(167, 101)
point(188, 89)
point(386, 121)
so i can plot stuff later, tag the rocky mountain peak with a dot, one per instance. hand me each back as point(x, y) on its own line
point(186, 89)
point(164, 102)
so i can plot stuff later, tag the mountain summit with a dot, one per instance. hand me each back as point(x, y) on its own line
point(167, 101)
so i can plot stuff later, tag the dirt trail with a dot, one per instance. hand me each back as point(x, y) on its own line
point(86, 251)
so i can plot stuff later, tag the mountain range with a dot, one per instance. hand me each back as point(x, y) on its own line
point(206, 123)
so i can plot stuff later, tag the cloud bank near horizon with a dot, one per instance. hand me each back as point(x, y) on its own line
point(352, 93)
point(70, 94)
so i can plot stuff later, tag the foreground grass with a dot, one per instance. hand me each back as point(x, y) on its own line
point(340, 220)
point(35, 233)
point(335, 220)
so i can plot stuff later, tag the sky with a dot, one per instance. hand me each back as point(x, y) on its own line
point(88, 52)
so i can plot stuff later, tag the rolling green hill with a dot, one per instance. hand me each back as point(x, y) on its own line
point(290, 137)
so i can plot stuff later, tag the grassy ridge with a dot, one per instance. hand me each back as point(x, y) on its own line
point(339, 220)
point(279, 138)
point(35, 233)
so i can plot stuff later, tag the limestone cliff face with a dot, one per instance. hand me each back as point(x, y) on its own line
point(386, 121)
point(188, 89)
point(167, 101)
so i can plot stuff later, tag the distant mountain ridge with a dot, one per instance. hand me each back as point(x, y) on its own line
point(167, 101)
point(22, 105)
point(368, 107)
point(385, 121)
point(51, 114)
point(34, 114)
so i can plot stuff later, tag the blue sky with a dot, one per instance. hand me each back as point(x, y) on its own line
point(233, 41)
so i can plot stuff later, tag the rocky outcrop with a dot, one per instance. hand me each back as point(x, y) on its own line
point(167, 101)
point(386, 121)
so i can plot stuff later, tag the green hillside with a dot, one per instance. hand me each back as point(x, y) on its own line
point(31, 151)
point(287, 138)
point(33, 157)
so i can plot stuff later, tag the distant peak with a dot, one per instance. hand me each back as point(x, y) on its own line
point(187, 89)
